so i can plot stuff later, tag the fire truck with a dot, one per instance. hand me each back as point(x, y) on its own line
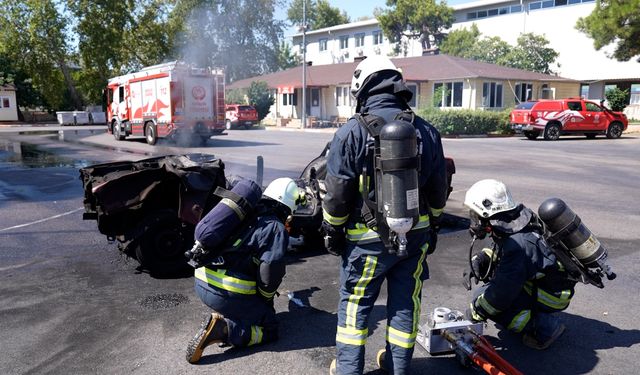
point(172, 100)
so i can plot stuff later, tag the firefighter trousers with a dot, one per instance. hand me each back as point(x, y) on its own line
point(251, 319)
point(364, 268)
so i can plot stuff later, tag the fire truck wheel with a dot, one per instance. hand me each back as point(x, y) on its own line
point(614, 130)
point(117, 133)
point(160, 249)
point(150, 133)
point(227, 125)
point(552, 132)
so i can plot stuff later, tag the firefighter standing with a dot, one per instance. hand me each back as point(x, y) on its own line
point(526, 283)
point(378, 87)
point(241, 290)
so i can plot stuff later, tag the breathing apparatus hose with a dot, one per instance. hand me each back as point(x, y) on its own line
point(472, 271)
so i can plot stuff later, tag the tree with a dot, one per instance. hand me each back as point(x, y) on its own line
point(26, 94)
point(320, 14)
point(240, 36)
point(531, 53)
point(235, 96)
point(614, 22)
point(286, 59)
point(461, 42)
point(34, 33)
point(425, 20)
point(618, 99)
point(260, 97)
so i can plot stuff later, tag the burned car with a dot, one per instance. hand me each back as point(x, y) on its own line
point(151, 207)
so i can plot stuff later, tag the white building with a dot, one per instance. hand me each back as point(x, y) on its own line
point(555, 19)
point(8, 104)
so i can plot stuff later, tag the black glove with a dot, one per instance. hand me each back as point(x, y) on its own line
point(334, 238)
point(480, 265)
point(434, 225)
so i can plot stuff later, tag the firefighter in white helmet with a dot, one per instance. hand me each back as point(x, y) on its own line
point(524, 285)
point(241, 284)
point(370, 251)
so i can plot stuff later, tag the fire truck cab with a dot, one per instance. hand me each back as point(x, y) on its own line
point(172, 100)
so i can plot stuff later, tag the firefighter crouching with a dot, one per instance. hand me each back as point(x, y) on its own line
point(240, 289)
point(366, 225)
point(525, 283)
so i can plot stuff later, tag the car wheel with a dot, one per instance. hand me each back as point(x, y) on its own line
point(160, 249)
point(228, 125)
point(614, 130)
point(117, 133)
point(552, 132)
point(150, 133)
point(531, 135)
point(590, 136)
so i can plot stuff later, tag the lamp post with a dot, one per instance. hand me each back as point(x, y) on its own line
point(304, 64)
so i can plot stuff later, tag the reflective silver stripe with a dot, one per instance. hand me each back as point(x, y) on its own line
point(234, 206)
point(222, 281)
point(402, 339)
point(520, 321)
point(352, 336)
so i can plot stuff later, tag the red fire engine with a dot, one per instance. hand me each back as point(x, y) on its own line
point(171, 100)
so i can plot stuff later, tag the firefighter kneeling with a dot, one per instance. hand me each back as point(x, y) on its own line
point(240, 284)
point(526, 284)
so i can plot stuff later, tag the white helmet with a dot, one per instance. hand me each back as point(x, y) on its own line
point(285, 191)
point(489, 197)
point(367, 67)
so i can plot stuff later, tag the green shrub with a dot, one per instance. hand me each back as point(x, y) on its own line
point(467, 121)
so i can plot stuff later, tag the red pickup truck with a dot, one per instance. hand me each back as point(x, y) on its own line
point(553, 118)
point(240, 115)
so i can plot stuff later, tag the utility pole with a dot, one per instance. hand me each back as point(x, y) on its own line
point(304, 64)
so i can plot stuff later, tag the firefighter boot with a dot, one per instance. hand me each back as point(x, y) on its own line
point(213, 330)
point(541, 343)
point(380, 360)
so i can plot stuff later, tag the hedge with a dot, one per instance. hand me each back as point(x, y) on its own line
point(467, 121)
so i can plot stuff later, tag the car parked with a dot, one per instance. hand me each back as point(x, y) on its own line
point(553, 118)
point(240, 116)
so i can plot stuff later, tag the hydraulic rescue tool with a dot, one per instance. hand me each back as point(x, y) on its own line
point(448, 332)
point(578, 249)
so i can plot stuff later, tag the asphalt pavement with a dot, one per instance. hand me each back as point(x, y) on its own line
point(71, 303)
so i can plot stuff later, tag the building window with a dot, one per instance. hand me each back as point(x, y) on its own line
point(535, 5)
point(504, 10)
point(560, 2)
point(290, 99)
point(285, 98)
point(482, 13)
point(609, 87)
point(4, 102)
point(547, 3)
point(359, 40)
point(635, 94)
point(492, 94)
point(451, 94)
point(584, 91)
point(414, 97)
point(492, 12)
point(516, 8)
point(344, 42)
point(472, 15)
point(574, 1)
point(377, 37)
point(523, 92)
point(342, 96)
point(323, 44)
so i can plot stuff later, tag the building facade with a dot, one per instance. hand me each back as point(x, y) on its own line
point(8, 103)
point(507, 19)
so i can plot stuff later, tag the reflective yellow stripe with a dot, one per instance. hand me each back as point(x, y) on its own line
point(266, 294)
point(482, 302)
point(358, 291)
point(361, 185)
point(234, 206)
point(474, 313)
point(222, 281)
point(362, 233)
point(520, 321)
point(418, 287)
point(238, 242)
point(256, 335)
point(402, 339)
point(352, 336)
point(558, 303)
point(436, 211)
point(334, 220)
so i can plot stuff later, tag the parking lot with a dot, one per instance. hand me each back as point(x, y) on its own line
point(72, 304)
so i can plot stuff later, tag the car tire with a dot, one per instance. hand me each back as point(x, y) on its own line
point(227, 125)
point(590, 135)
point(552, 132)
point(614, 130)
point(117, 132)
point(160, 248)
point(150, 133)
point(531, 135)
